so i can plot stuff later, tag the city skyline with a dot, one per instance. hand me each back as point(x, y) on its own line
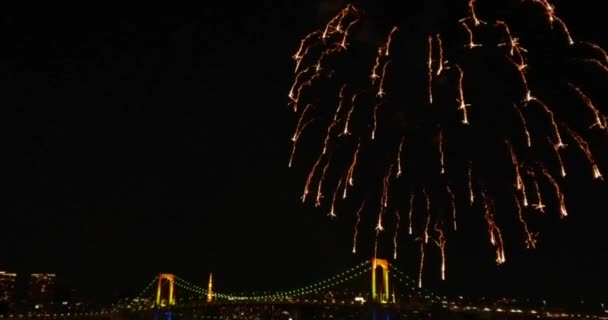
point(148, 144)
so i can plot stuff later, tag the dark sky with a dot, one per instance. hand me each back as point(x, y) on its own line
point(139, 144)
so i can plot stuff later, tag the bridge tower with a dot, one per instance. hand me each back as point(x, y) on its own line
point(383, 295)
point(170, 278)
point(210, 289)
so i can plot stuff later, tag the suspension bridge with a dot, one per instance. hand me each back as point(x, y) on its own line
point(374, 287)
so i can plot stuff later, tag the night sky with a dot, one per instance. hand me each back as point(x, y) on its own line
point(139, 144)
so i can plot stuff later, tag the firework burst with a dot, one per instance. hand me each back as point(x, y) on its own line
point(473, 124)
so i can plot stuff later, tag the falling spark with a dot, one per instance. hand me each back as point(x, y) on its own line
point(463, 106)
point(453, 206)
point(558, 137)
point(540, 206)
point(598, 116)
point(375, 120)
point(310, 177)
point(421, 264)
point(398, 217)
point(512, 43)
point(349, 115)
point(441, 154)
point(562, 168)
point(295, 142)
point(493, 230)
point(440, 242)
point(471, 44)
point(442, 63)
point(356, 233)
point(343, 44)
point(411, 211)
point(351, 171)
point(320, 186)
point(584, 146)
point(472, 15)
point(470, 183)
point(399, 172)
point(428, 215)
point(332, 211)
point(530, 237)
point(381, 91)
point(430, 69)
point(389, 41)
point(558, 192)
point(524, 125)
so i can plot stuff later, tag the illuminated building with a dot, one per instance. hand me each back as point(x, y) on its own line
point(41, 289)
point(7, 287)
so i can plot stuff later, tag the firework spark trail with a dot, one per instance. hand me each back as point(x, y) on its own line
point(295, 142)
point(558, 192)
point(427, 201)
point(521, 70)
point(472, 15)
point(597, 63)
point(389, 41)
point(539, 205)
point(524, 126)
point(512, 43)
point(471, 44)
point(442, 63)
point(589, 104)
point(462, 105)
point(335, 24)
point(381, 91)
point(440, 242)
point(530, 237)
point(421, 267)
point(430, 69)
point(558, 137)
point(597, 49)
point(386, 186)
point(311, 175)
point(558, 156)
point(328, 136)
point(332, 210)
point(519, 184)
point(411, 210)
point(341, 96)
point(375, 119)
point(470, 183)
point(452, 205)
point(565, 30)
point(441, 154)
point(584, 146)
point(320, 185)
point(399, 151)
point(344, 44)
point(350, 180)
point(356, 233)
point(374, 76)
point(325, 54)
point(397, 223)
point(349, 115)
point(303, 49)
point(493, 230)
point(296, 88)
point(303, 86)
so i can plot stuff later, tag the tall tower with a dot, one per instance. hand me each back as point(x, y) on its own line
point(170, 278)
point(210, 289)
point(383, 297)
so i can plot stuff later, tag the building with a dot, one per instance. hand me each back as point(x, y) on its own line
point(41, 290)
point(7, 286)
point(7, 291)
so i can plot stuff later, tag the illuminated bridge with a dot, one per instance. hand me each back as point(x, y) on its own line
point(350, 294)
